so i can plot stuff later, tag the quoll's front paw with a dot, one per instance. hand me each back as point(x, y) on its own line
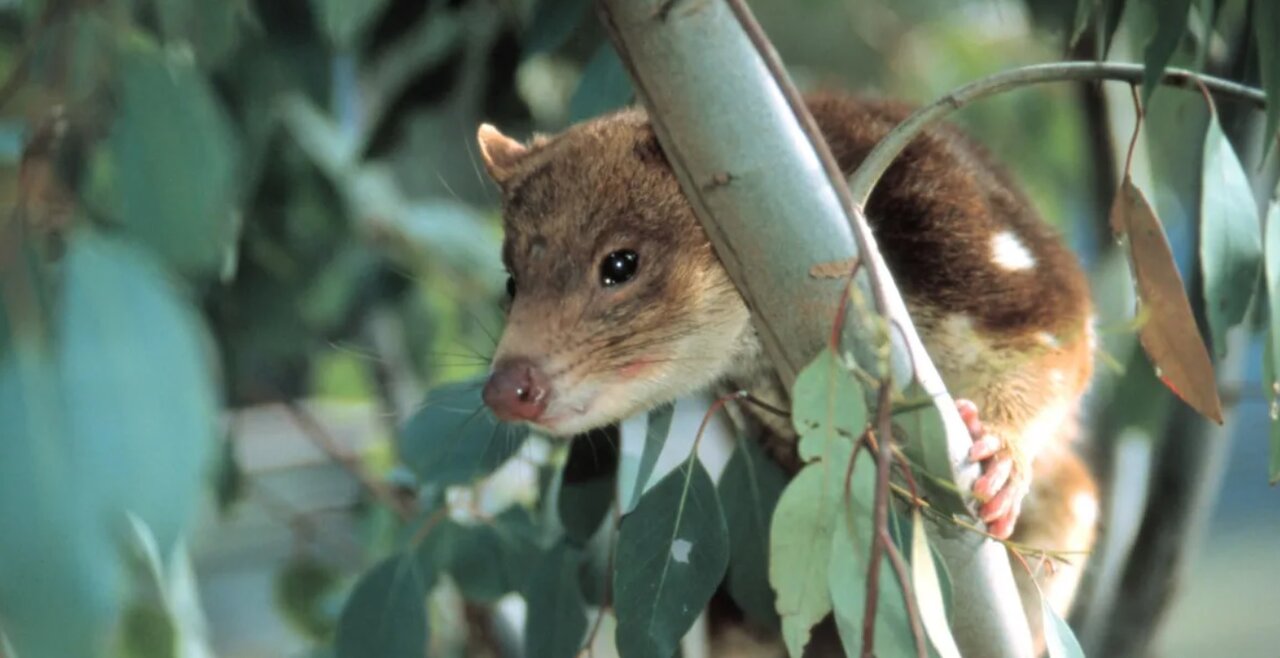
point(1003, 483)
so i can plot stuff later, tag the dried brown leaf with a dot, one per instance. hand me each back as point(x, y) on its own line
point(1169, 334)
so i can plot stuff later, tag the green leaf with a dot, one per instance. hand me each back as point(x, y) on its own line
point(302, 591)
point(170, 170)
point(1059, 641)
point(138, 384)
point(928, 590)
point(587, 484)
point(655, 437)
point(749, 491)
point(1230, 236)
point(1273, 331)
point(57, 597)
point(344, 21)
point(925, 445)
point(847, 574)
point(1108, 21)
point(212, 28)
point(1084, 10)
point(386, 615)
point(454, 439)
point(672, 552)
point(127, 382)
point(1266, 26)
point(557, 622)
point(829, 406)
point(604, 87)
point(800, 541)
point(1171, 23)
point(486, 561)
point(553, 22)
point(145, 630)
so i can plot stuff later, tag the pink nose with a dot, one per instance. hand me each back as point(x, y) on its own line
point(517, 390)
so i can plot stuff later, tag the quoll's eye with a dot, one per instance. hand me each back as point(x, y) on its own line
point(511, 286)
point(618, 267)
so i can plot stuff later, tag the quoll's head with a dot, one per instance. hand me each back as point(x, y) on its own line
point(618, 303)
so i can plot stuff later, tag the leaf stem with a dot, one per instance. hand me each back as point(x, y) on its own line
point(864, 179)
point(908, 597)
point(884, 463)
point(322, 439)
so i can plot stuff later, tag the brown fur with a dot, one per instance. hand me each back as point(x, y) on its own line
point(1016, 341)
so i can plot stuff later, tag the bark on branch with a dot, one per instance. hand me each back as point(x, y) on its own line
point(773, 204)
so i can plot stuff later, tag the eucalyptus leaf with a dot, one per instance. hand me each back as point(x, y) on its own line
point(924, 442)
point(587, 484)
point(828, 406)
point(655, 437)
point(553, 22)
point(1168, 332)
point(557, 622)
point(1171, 24)
point(302, 591)
point(1273, 331)
point(803, 524)
point(57, 597)
point(672, 552)
point(454, 439)
point(1059, 640)
point(345, 21)
point(749, 491)
point(928, 591)
point(1107, 22)
point(170, 173)
point(137, 384)
point(1266, 29)
point(847, 574)
point(485, 560)
point(386, 615)
point(1230, 236)
point(123, 406)
point(1080, 21)
point(211, 28)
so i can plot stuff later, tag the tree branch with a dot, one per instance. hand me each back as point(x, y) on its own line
point(737, 143)
point(869, 172)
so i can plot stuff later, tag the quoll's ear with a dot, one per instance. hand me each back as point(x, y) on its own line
point(500, 153)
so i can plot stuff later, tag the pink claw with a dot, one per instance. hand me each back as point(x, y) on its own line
point(1001, 486)
point(995, 477)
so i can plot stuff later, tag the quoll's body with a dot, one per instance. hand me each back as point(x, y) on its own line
point(619, 304)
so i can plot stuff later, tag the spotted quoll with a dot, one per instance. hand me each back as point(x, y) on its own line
point(619, 304)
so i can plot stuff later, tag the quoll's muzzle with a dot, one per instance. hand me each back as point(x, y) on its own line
point(517, 390)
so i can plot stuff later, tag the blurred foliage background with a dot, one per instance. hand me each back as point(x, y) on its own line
point(248, 236)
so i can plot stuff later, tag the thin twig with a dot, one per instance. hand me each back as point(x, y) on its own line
point(884, 463)
point(1138, 114)
point(913, 614)
point(863, 181)
point(322, 439)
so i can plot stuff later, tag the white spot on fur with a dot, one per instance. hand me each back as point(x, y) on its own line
point(1056, 377)
point(1047, 339)
point(1008, 252)
point(680, 550)
point(1085, 506)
